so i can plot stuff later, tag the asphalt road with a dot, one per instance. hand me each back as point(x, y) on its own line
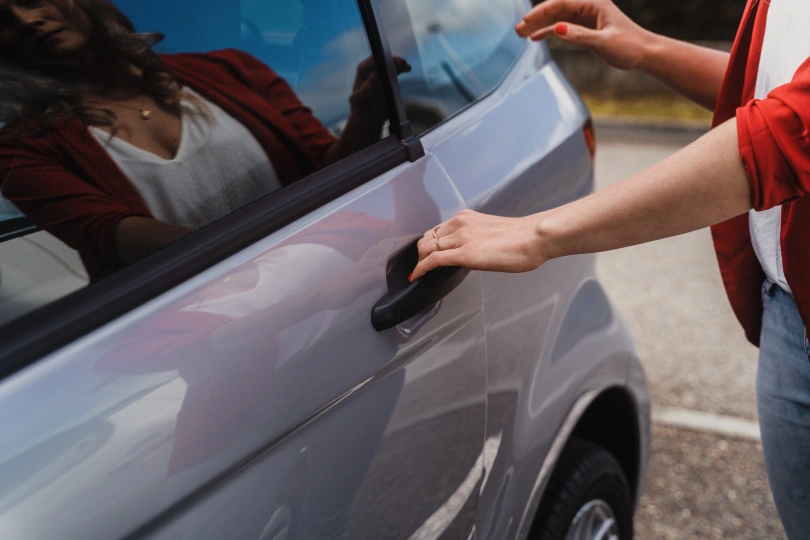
point(700, 485)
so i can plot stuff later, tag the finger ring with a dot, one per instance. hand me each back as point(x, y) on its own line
point(436, 238)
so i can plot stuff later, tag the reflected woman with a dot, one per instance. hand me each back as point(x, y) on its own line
point(119, 151)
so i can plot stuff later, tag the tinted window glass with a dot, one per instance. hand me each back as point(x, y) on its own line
point(460, 50)
point(129, 124)
point(8, 211)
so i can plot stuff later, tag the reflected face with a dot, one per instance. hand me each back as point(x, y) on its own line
point(42, 33)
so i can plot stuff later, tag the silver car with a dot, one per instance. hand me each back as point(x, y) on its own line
point(274, 375)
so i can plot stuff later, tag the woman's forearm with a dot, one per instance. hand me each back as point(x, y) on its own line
point(358, 133)
point(139, 237)
point(691, 70)
point(701, 185)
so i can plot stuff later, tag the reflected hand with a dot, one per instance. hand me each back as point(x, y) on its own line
point(367, 111)
point(366, 97)
point(481, 242)
point(597, 25)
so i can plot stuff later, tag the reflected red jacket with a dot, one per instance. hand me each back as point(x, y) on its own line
point(774, 140)
point(67, 184)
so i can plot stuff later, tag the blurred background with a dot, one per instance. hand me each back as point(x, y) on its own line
point(707, 477)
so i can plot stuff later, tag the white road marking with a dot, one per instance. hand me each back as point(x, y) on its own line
point(701, 421)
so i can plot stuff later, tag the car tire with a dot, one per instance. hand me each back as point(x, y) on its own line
point(587, 497)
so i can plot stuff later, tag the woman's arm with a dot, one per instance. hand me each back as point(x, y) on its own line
point(138, 237)
point(693, 71)
point(703, 184)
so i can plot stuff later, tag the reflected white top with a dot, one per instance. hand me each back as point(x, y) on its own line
point(784, 49)
point(219, 168)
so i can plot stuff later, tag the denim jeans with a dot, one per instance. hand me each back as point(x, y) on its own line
point(783, 402)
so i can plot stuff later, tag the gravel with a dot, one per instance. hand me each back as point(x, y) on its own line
point(703, 486)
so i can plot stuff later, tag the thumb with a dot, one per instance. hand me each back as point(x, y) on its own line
point(574, 33)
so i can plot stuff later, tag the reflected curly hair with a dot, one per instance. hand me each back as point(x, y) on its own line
point(35, 95)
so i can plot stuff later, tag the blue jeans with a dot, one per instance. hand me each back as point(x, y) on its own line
point(783, 402)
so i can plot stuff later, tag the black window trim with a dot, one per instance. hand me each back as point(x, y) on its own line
point(16, 227)
point(45, 330)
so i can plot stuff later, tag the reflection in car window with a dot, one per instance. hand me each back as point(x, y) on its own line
point(130, 124)
point(8, 211)
point(460, 50)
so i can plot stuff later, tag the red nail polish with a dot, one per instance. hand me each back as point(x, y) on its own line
point(561, 29)
point(410, 278)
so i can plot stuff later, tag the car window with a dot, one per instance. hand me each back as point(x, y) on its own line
point(130, 124)
point(459, 51)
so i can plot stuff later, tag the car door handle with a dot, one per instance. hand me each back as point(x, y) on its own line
point(404, 299)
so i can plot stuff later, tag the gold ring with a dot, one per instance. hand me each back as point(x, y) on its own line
point(436, 238)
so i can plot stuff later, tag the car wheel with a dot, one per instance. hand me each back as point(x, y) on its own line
point(587, 498)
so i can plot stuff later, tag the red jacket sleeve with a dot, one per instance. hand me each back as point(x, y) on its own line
point(61, 203)
point(278, 93)
point(774, 140)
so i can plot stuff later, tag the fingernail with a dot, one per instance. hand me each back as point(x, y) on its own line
point(561, 29)
point(410, 277)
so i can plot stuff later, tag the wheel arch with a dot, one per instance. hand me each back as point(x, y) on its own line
point(611, 421)
point(591, 418)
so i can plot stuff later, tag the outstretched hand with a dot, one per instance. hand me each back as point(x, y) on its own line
point(597, 25)
point(481, 242)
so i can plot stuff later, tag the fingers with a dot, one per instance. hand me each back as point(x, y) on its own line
point(365, 67)
point(571, 33)
point(366, 88)
point(453, 257)
point(401, 65)
point(430, 245)
point(451, 250)
point(550, 12)
point(543, 33)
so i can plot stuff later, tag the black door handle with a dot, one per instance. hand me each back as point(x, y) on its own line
point(404, 299)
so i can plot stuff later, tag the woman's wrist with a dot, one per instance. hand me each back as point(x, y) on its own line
point(651, 46)
point(547, 235)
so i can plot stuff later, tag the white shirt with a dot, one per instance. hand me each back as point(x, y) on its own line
point(785, 47)
point(219, 168)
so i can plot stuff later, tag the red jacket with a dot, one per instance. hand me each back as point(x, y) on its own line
point(67, 184)
point(774, 139)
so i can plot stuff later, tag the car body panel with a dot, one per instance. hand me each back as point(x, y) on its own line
point(170, 398)
point(552, 336)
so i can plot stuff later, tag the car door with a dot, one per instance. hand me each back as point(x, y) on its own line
point(506, 127)
point(273, 375)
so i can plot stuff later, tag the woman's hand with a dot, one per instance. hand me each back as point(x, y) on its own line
point(482, 242)
point(594, 24)
point(366, 99)
point(700, 185)
point(367, 111)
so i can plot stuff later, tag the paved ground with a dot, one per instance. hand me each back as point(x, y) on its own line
point(701, 486)
point(696, 357)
